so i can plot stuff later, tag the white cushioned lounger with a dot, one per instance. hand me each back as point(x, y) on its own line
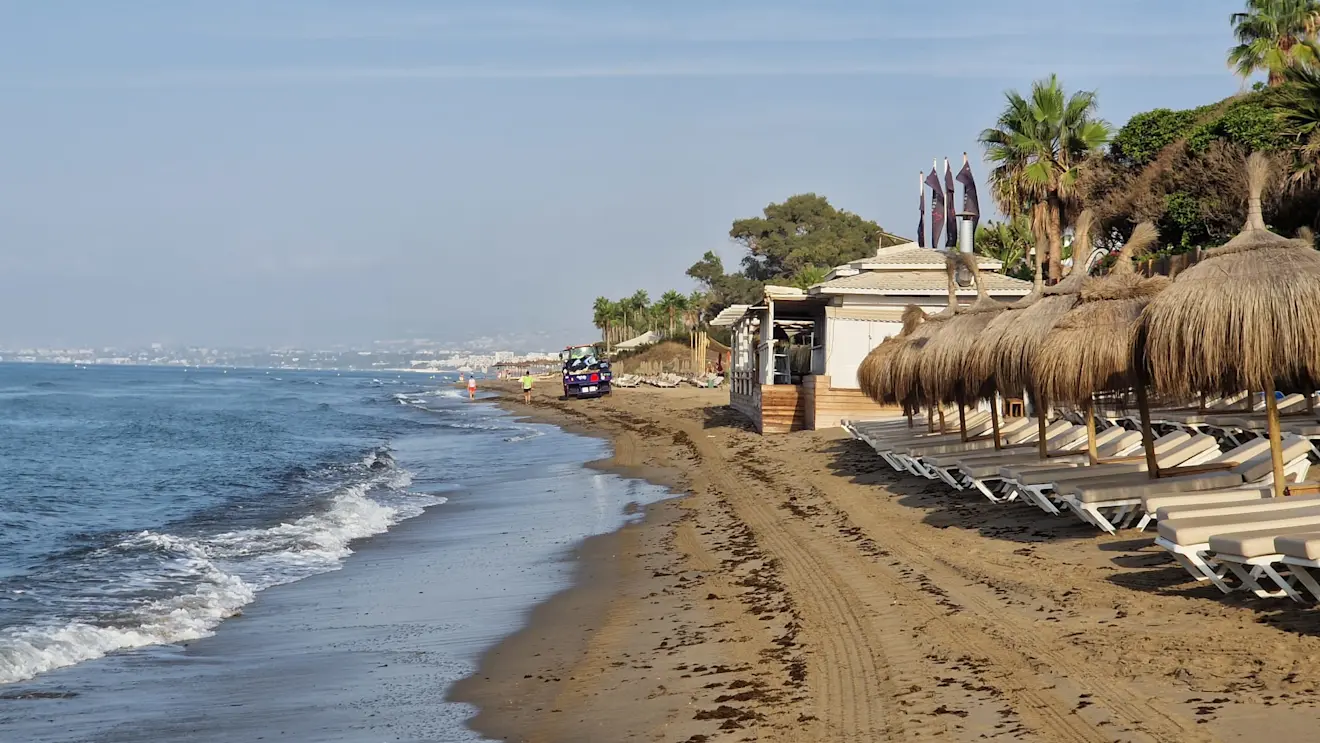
point(1193, 450)
point(1188, 537)
point(1251, 468)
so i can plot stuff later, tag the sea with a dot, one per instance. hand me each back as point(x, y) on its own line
point(220, 554)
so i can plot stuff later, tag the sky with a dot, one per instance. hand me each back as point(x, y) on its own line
point(313, 172)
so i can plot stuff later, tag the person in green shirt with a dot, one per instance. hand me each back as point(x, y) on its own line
point(527, 386)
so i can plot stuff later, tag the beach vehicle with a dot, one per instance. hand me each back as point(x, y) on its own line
point(586, 372)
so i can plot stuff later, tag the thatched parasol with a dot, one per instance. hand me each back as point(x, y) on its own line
point(941, 362)
point(904, 368)
point(1010, 356)
point(1245, 318)
point(1089, 349)
point(872, 374)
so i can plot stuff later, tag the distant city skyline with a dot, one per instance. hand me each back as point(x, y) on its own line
point(330, 171)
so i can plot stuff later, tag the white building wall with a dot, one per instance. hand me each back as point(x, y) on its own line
point(848, 342)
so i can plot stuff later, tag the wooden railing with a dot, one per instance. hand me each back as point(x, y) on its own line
point(742, 382)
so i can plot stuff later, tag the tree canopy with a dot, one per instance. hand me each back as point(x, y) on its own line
point(804, 231)
point(1182, 169)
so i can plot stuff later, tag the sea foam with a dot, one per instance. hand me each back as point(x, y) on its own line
point(224, 571)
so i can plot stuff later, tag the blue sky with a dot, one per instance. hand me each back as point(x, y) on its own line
point(310, 172)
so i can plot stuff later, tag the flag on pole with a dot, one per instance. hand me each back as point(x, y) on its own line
point(951, 222)
point(971, 204)
point(936, 206)
point(921, 210)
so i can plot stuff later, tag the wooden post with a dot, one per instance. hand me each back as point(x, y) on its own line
point(962, 422)
point(1276, 445)
point(930, 419)
point(994, 419)
point(1091, 454)
point(1041, 444)
point(943, 429)
point(1147, 436)
point(1200, 408)
point(1310, 404)
point(909, 417)
point(1040, 428)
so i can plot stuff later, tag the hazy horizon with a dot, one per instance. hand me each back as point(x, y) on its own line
point(313, 173)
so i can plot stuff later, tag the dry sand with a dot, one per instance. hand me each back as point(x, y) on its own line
point(802, 591)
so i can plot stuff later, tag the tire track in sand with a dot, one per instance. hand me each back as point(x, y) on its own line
point(857, 697)
point(996, 635)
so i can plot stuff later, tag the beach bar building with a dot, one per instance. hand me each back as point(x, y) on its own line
point(795, 353)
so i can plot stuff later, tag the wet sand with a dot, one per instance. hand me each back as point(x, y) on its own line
point(802, 591)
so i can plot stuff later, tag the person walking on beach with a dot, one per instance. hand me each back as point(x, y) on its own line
point(472, 387)
point(527, 387)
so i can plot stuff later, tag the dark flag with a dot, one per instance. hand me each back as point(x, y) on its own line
point(971, 204)
point(921, 209)
point(950, 226)
point(936, 207)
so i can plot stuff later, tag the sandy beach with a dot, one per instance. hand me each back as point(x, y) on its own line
point(801, 591)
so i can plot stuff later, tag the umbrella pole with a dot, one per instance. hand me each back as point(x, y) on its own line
point(1091, 454)
point(1276, 445)
point(909, 417)
point(1200, 408)
point(1310, 404)
point(1147, 437)
point(1040, 425)
point(943, 429)
point(962, 422)
point(994, 420)
point(930, 419)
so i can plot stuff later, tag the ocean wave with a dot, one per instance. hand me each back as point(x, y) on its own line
point(212, 576)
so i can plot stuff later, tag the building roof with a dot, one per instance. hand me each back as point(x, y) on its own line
point(644, 339)
point(730, 315)
point(905, 257)
point(918, 283)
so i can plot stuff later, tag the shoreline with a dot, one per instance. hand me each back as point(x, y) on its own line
point(798, 590)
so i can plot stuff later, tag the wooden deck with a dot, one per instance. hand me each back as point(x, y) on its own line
point(772, 408)
point(827, 406)
point(813, 405)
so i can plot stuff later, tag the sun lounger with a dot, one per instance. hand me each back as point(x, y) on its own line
point(1111, 504)
point(1252, 554)
point(914, 457)
point(1300, 551)
point(1188, 537)
point(1042, 487)
point(1061, 436)
point(985, 473)
point(888, 440)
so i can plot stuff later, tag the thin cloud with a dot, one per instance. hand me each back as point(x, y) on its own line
point(362, 75)
point(767, 25)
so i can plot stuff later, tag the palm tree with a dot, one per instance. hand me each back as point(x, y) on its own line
point(1008, 242)
point(1039, 147)
point(670, 304)
point(808, 276)
point(1274, 35)
point(1298, 109)
point(600, 316)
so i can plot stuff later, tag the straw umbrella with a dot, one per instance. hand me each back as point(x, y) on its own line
point(1089, 349)
point(904, 367)
point(1006, 358)
point(872, 374)
point(941, 362)
point(1247, 317)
